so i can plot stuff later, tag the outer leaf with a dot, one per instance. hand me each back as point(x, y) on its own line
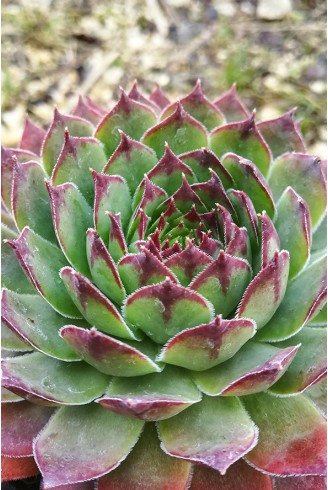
point(39, 377)
point(162, 310)
point(221, 433)
point(30, 200)
point(231, 106)
point(203, 347)
point(181, 131)
point(11, 341)
point(35, 321)
point(201, 161)
point(85, 442)
point(147, 468)
point(76, 157)
point(223, 282)
point(300, 483)
point(304, 298)
point(54, 138)
point(310, 364)
point(21, 422)
point(128, 115)
point(243, 139)
point(152, 397)
point(288, 444)
point(33, 253)
point(112, 356)
point(159, 97)
point(94, 305)
point(72, 216)
point(239, 475)
point(254, 368)
point(131, 160)
point(111, 195)
point(17, 468)
point(32, 137)
point(267, 288)
point(103, 269)
point(304, 174)
point(282, 134)
point(293, 225)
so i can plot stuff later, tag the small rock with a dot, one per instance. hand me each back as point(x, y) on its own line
point(273, 10)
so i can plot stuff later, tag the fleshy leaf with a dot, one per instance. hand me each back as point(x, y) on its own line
point(32, 137)
point(151, 196)
point(85, 443)
point(30, 200)
point(201, 161)
point(9, 156)
point(11, 341)
point(303, 173)
point(231, 106)
point(243, 139)
point(76, 157)
point(142, 269)
point(185, 197)
point(198, 106)
point(18, 468)
point(159, 97)
point(205, 346)
point(292, 436)
point(293, 225)
point(167, 173)
point(35, 321)
point(20, 423)
point(239, 476)
point(188, 263)
point(112, 356)
point(181, 131)
point(210, 442)
point(163, 310)
point(39, 377)
point(88, 110)
point(212, 192)
point(54, 138)
point(103, 269)
point(130, 116)
point(135, 94)
point(270, 241)
point(131, 160)
point(33, 253)
point(309, 365)
point(246, 214)
point(111, 195)
point(254, 368)
point(282, 134)
point(239, 245)
point(304, 298)
point(223, 282)
point(148, 468)
point(116, 244)
point(96, 308)
point(267, 288)
point(151, 397)
point(310, 482)
point(318, 394)
point(72, 216)
point(250, 180)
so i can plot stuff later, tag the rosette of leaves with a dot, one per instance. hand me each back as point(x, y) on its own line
point(164, 284)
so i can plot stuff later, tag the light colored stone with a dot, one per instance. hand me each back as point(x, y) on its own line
point(273, 9)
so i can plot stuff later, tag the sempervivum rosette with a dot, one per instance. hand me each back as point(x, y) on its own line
point(164, 284)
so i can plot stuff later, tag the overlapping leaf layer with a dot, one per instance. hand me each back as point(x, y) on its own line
point(164, 291)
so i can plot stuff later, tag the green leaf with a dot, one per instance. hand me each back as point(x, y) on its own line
point(85, 443)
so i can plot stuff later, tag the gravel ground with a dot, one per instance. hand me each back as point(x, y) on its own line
point(54, 50)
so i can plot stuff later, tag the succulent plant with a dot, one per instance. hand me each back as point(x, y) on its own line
point(163, 303)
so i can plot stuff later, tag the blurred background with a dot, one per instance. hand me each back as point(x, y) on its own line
point(54, 50)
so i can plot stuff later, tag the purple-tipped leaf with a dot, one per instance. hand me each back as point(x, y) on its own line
point(205, 346)
point(95, 307)
point(117, 246)
point(270, 241)
point(239, 245)
point(201, 161)
point(212, 192)
point(109, 355)
point(231, 106)
point(253, 369)
point(195, 434)
point(267, 288)
point(223, 282)
point(246, 214)
point(88, 110)
point(244, 139)
point(32, 137)
point(159, 97)
point(151, 397)
point(301, 483)
point(188, 263)
point(163, 310)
